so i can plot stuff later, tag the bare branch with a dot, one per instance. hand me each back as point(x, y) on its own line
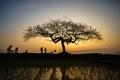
point(65, 30)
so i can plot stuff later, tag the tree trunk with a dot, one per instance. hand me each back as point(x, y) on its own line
point(63, 45)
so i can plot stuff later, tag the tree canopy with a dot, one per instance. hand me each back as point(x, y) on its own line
point(65, 31)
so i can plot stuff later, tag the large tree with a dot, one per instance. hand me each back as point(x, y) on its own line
point(64, 31)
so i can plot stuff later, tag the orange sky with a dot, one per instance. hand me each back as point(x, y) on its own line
point(17, 16)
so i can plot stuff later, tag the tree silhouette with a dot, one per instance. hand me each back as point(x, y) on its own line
point(64, 31)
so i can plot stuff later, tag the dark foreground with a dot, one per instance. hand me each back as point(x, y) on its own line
point(60, 56)
point(32, 59)
point(59, 67)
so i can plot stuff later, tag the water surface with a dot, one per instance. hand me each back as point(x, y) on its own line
point(71, 72)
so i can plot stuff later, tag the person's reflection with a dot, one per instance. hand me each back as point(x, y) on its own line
point(44, 74)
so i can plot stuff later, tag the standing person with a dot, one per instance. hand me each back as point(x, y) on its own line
point(16, 50)
point(45, 50)
point(26, 51)
point(41, 49)
point(9, 50)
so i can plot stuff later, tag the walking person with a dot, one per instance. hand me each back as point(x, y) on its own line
point(41, 49)
point(9, 49)
point(16, 50)
point(45, 50)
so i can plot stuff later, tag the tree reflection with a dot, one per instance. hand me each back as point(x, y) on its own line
point(59, 73)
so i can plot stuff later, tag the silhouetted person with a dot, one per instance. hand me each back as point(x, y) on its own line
point(9, 50)
point(26, 51)
point(16, 50)
point(45, 50)
point(41, 49)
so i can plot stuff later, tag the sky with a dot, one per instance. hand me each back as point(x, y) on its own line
point(17, 15)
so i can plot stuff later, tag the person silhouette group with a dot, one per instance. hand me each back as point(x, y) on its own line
point(43, 50)
point(9, 49)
